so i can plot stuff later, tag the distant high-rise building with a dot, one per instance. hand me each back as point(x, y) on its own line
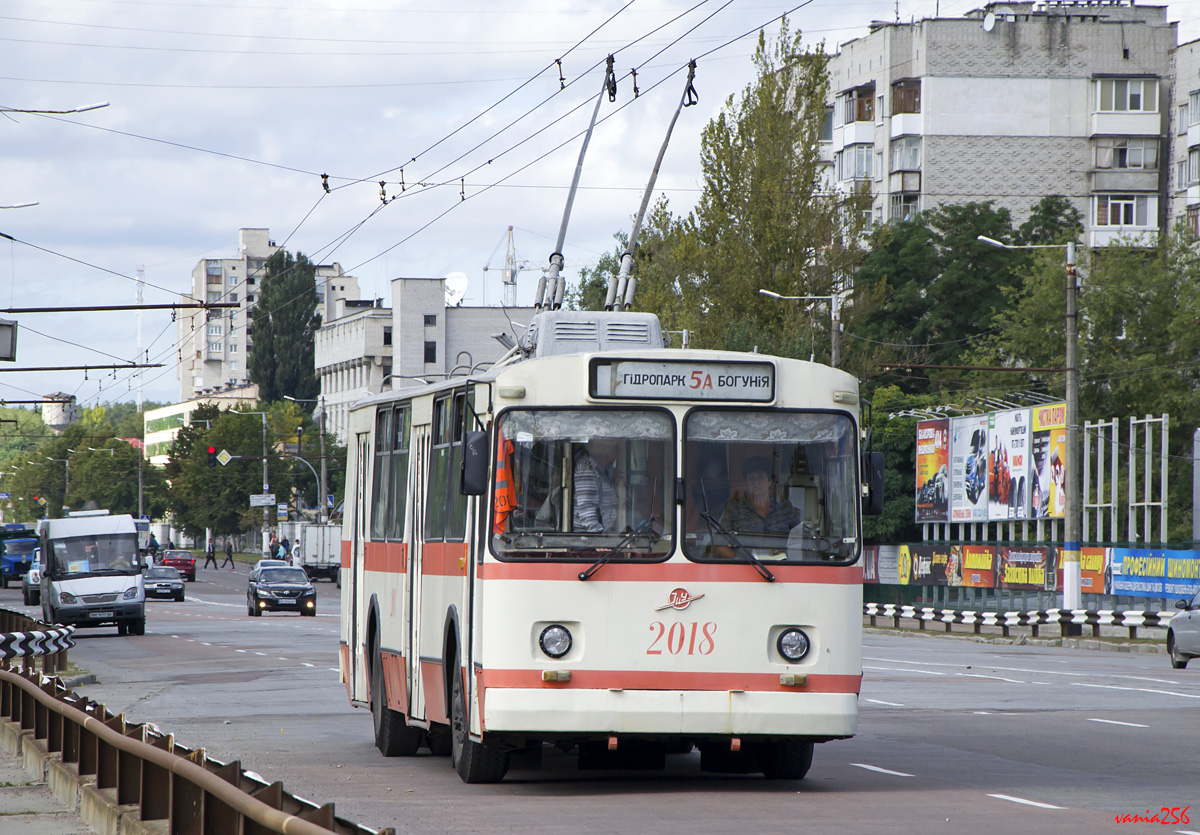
point(214, 349)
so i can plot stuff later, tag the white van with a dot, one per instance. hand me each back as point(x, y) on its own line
point(92, 571)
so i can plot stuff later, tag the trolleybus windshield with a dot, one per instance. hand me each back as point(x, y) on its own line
point(778, 486)
point(574, 484)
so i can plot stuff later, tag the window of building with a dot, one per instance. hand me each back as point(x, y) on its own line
point(212, 268)
point(906, 96)
point(430, 319)
point(1192, 108)
point(856, 161)
point(859, 104)
point(1121, 210)
point(1117, 95)
point(1193, 219)
point(905, 206)
point(430, 352)
point(906, 153)
point(250, 281)
point(249, 298)
point(826, 134)
point(1181, 174)
point(215, 347)
point(1114, 152)
point(1193, 167)
point(879, 110)
point(387, 336)
point(233, 366)
point(216, 330)
point(233, 347)
point(214, 295)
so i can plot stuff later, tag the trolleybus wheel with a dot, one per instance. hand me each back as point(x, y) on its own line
point(393, 735)
point(785, 759)
point(475, 762)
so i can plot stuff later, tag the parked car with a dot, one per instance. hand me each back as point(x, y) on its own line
point(31, 584)
point(1183, 635)
point(276, 588)
point(184, 561)
point(163, 581)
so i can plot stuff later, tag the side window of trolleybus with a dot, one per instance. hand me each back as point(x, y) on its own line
point(774, 485)
point(575, 483)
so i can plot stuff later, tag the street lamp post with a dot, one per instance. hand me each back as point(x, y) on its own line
point(321, 500)
point(835, 301)
point(1072, 587)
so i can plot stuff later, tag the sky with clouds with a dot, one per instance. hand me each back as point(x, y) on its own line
point(223, 115)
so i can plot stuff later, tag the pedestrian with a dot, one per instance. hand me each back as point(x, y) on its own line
point(284, 550)
point(152, 547)
point(211, 554)
point(229, 556)
point(170, 545)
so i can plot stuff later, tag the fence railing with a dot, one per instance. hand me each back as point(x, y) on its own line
point(130, 764)
point(1065, 619)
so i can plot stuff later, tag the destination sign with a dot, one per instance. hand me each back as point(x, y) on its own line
point(623, 379)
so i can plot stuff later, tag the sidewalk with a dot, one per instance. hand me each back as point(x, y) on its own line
point(27, 806)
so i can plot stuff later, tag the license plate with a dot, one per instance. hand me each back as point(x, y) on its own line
point(100, 614)
point(286, 602)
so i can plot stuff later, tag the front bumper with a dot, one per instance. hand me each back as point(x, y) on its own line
point(669, 712)
point(99, 614)
point(287, 604)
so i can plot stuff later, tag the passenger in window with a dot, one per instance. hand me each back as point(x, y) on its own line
point(756, 509)
point(594, 506)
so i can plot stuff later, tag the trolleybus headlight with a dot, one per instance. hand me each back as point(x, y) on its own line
point(792, 644)
point(555, 641)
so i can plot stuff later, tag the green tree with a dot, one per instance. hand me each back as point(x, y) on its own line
point(1054, 220)
point(284, 322)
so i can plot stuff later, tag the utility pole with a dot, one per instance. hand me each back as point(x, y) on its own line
point(321, 499)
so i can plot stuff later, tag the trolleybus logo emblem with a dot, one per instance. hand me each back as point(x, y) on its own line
point(679, 599)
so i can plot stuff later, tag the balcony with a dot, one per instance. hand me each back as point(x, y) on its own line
point(1128, 179)
point(1126, 123)
point(907, 124)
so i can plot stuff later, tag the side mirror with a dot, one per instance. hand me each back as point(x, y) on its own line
point(475, 464)
point(1181, 604)
point(872, 479)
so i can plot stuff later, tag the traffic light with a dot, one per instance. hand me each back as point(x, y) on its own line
point(212, 456)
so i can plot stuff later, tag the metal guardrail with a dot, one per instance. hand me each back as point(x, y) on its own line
point(137, 764)
point(1065, 619)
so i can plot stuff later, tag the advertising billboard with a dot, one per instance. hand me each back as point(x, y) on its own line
point(968, 469)
point(933, 471)
point(1008, 465)
point(1047, 471)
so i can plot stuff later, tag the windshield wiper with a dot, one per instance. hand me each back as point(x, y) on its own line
point(739, 550)
point(621, 547)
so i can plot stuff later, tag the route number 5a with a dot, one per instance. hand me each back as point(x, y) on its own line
point(682, 638)
point(700, 380)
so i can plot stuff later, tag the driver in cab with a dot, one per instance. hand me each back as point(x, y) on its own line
point(755, 509)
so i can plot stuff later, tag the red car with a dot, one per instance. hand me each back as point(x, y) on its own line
point(181, 560)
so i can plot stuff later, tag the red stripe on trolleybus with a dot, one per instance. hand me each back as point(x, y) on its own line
point(674, 572)
point(664, 680)
point(390, 557)
point(345, 553)
point(444, 559)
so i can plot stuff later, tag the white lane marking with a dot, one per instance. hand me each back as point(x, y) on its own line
point(993, 678)
point(1025, 802)
point(902, 670)
point(880, 770)
point(1024, 670)
point(306, 664)
point(1139, 690)
point(241, 650)
point(333, 669)
point(1115, 722)
point(879, 702)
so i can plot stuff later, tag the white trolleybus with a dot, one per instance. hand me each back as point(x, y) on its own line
point(609, 547)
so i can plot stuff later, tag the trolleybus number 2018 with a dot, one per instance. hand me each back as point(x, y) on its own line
point(682, 638)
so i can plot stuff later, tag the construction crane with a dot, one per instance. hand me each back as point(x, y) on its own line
point(514, 266)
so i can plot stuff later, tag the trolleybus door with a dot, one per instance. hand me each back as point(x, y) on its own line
point(412, 651)
point(357, 517)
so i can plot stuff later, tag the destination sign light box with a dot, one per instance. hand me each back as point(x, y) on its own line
point(628, 379)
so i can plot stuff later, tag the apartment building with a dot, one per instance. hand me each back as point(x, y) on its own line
point(353, 356)
point(1184, 187)
point(1010, 103)
point(214, 350)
